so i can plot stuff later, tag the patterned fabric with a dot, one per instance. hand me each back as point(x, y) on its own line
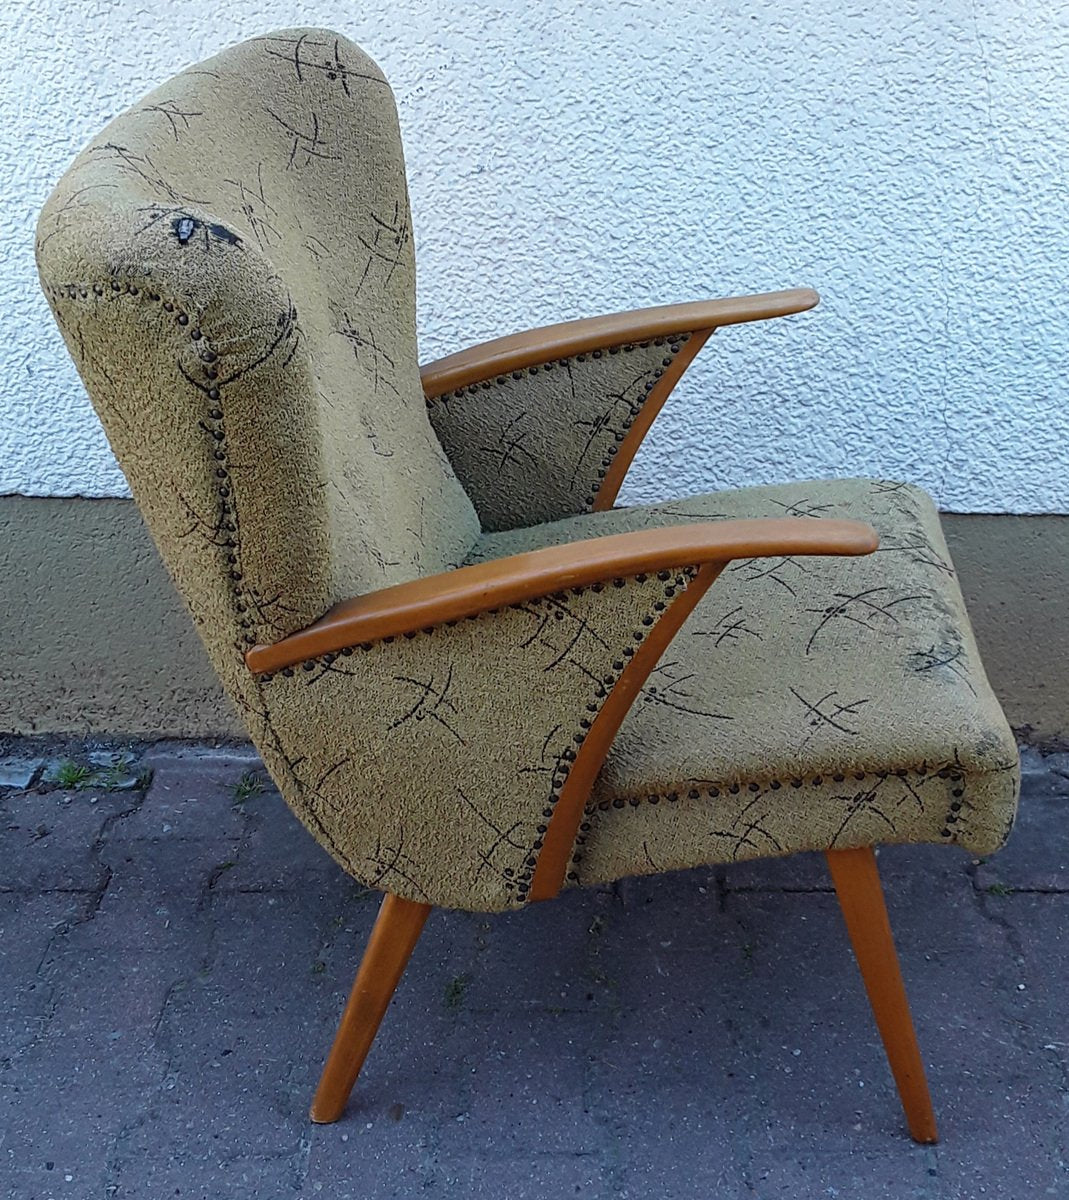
point(534, 445)
point(230, 263)
point(807, 703)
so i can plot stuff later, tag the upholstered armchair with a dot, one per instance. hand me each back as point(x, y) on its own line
point(474, 680)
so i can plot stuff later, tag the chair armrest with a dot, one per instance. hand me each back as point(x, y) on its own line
point(519, 351)
point(454, 595)
point(545, 424)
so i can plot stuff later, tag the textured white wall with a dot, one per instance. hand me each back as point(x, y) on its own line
point(569, 157)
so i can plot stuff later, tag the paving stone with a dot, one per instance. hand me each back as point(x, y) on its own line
point(191, 795)
point(533, 1066)
point(28, 924)
point(921, 870)
point(163, 1022)
point(199, 1171)
point(278, 853)
point(539, 958)
point(682, 1156)
point(1036, 927)
point(49, 841)
point(117, 770)
point(898, 1174)
point(65, 1100)
point(56, 1144)
point(795, 873)
point(387, 1156)
point(101, 770)
point(18, 772)
point(526, 1177)
point(746, 1020)
point(1026, 862)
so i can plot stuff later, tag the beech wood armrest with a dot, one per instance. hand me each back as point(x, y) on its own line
point(518, 351)
point(467, 591)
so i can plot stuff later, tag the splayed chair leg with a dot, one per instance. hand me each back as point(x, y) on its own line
point(397, 929)
point(857, 883)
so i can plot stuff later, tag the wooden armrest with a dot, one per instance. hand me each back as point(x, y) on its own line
point(467, 591)
point(521, 350)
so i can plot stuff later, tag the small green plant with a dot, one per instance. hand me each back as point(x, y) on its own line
point(1000, 889)
point(72, 775)
point(318, 967)
point(250, 784)
point(144, 777)
point(455, 989)
point(113, 776)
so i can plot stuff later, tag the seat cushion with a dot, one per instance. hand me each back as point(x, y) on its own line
point(807, 703)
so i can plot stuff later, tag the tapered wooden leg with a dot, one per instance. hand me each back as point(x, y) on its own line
point(857, 883)
point(397, 929)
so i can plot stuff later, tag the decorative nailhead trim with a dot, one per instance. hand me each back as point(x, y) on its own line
point(213, 425)
point(954, 774)
point(678, 583)
point(752, 785)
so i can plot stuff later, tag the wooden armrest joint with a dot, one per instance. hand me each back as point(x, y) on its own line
point(551, 870)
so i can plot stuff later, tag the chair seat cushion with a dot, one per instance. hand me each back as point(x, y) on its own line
point(807, 703)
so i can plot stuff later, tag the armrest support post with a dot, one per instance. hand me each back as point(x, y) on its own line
point(563, 827)
point(640, 426)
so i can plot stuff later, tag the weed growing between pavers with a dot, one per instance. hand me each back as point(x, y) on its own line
point(250, 784)
point(455, 989)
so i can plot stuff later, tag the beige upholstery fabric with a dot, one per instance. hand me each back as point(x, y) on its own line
point(230, 263)
point(534, 446)
point(806, 703)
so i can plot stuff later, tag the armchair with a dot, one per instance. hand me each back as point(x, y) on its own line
point(474, 680)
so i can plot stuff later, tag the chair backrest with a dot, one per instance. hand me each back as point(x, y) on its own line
point(231, 264)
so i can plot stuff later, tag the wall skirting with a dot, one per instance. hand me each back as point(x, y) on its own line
point(94, 639)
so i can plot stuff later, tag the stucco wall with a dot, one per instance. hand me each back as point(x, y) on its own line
point(575, 156)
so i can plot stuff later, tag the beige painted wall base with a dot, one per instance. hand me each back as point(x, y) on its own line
point(94, 639)
point(1014, 572)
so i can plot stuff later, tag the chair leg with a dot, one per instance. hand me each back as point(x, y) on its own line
point(397, 929)
point(857, 883)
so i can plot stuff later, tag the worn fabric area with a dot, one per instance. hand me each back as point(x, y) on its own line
point(807, 703)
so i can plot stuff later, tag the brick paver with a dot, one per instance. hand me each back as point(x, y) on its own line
point(173, 959)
